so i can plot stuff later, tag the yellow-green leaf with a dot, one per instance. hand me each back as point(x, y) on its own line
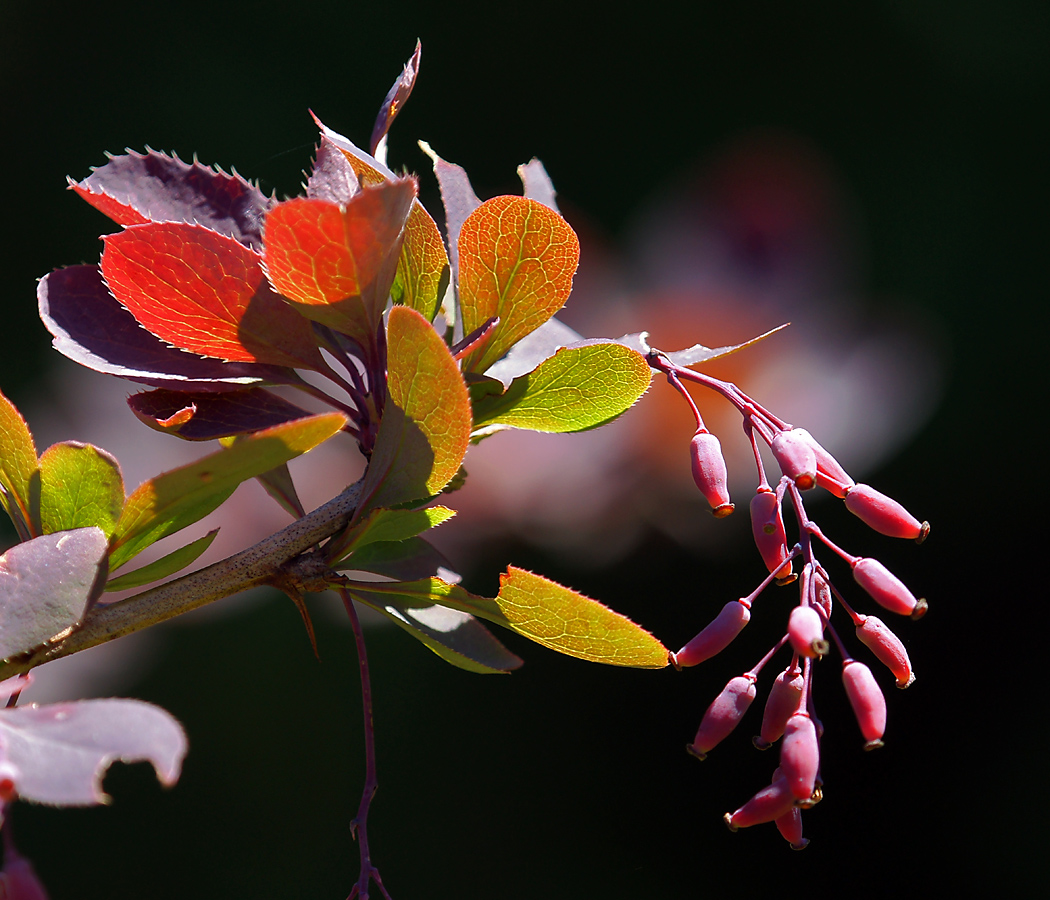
point(163, 567)
point(422, 270)
point(17, 466)
point(80, 486)
point(386, 525)
point(425, 429)
point(175, 499)
point(573, 390)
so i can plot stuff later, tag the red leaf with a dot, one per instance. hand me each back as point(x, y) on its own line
point(395, 99)
point(207, 293)
point(336, 263)
point(516, 261)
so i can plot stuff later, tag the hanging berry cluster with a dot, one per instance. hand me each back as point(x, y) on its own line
point(789, 714)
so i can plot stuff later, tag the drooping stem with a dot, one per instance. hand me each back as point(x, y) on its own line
point(359, 826)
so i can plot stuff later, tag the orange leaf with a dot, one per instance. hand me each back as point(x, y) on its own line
point(517, 258)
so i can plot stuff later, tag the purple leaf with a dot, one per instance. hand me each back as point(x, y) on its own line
point(206, 416)
point(394, 100)
point(533, 349)
point(537, 183)
point(59, 753)
point(90, 327)
point(333, 177)
point(47, 585)
point(154, 187)
point(458, 198)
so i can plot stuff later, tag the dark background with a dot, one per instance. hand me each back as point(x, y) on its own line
point(568, 780)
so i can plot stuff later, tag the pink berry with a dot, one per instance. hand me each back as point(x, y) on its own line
point(723, 714)
point(715, 637)
point(887, 589)
point(800, 755)
point(794, 452)
point(821, 598)
point(782, 702)
point(767, 805)
point(806, 632)
point(709, 472)
point(830, 475)
point(767, 525)
point(887, 647)
point(884, 514)
point(867, 701)
point(18, 880)
point(790, 827)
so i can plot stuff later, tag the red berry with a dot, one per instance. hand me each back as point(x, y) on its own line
point(806, 632)
point(830, 475)
point(884, 514)
point(715, 637)
point(709, 472)
point(887, 647)
point(794, 452)
point(800, 755)
point(723, 714)
point(887, 589)
point(767, 525)
point(867, 701)
point(768, 804)
point(782, 702)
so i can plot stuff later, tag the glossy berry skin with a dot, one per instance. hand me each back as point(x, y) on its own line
point(800, 755)
point(794, 453)
point(718, 635)
point(886, 589)
point(806, 632)
point(766, 806)
point(709, 472)
point(830, 475)
point(723, 715)
point(781, 703)
point(887, 647)
point(884, 514)
point(767, 526)
point(867, 701)
point(790, 827)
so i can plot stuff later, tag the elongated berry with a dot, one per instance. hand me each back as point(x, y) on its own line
point(723, 715)
point(795, 455)
point(806, 632)
point(715, 637)
point(869, 706)
point(884, 514)
point(800, 755)
point(767, 525)
point(887, 589)
point(821, 597)
point(887, 647)
point(767, 805)
point(781, 703)
point(18, 879)
point(709, 472)
point(830, 475)
point(790, 827)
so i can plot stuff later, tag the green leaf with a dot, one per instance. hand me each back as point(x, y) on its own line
point(406, 560)
point(542, 610)
point(163, 567)
point(573, 390)
point(457, 637)
point(17, 466)
point(80, 486)
point(387, 525)
point(422, 270)
point(425, 429)
point(175, 499)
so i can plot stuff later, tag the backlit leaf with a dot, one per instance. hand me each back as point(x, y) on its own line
point(175, 499)
point(17, 466)
point(204, 416)
point(573, 390)
point(396, 97)
point(206, 293)
point(425, 429)
point(458, 198)
point(93, 329)
point(386, 525)
point(61, 751)
point(407, 560)
point(517, 258)
point(47, 585)
point(163, 567)
point(80, 485)
point(336, 263)
point(136, 188)
point(541, 610)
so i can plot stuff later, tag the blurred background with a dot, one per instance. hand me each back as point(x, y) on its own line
point(870, 173)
